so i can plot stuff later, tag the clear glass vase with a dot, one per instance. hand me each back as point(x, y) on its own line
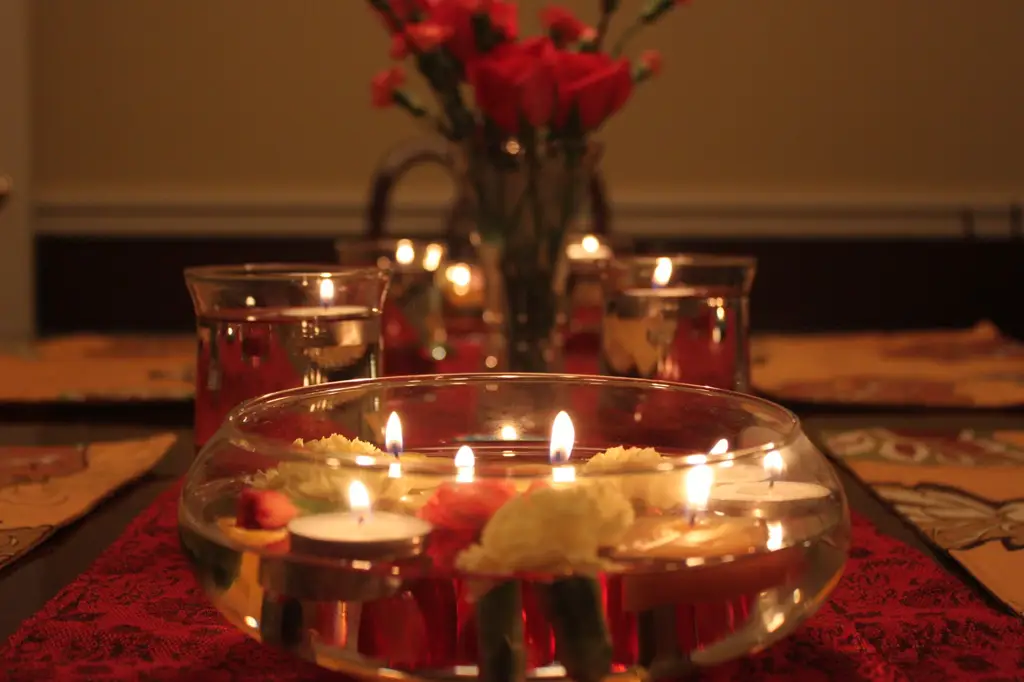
point(515, 207)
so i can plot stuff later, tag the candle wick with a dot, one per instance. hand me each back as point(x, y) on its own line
point(362, 518)
point(771, 483)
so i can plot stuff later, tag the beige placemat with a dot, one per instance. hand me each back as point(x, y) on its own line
point(88, 367)
point(962, 489)
point(44, 488)
point(977, 367)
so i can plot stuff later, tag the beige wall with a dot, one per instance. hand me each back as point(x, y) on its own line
point(234, 99)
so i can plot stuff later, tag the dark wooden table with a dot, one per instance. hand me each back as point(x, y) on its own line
point(27, 585)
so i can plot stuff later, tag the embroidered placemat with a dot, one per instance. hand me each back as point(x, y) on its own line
point(962, 489)
point(978, 367)
point(45, 487)
point(86, 367)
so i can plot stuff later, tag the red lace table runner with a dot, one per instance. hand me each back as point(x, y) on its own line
point(138, 614)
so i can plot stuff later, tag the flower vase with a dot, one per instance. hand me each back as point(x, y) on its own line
point(514, 206)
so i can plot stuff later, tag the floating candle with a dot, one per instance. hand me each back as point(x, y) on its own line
point(589, 248)
point(767, 498)
point(358, 533)
point(334, 312)
point(729, 472)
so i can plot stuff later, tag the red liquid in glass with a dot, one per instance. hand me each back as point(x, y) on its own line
point(246, 353)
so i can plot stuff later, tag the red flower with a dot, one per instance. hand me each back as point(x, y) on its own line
point(651, 61)
point(425, 36)
point(466, 506)
point(406, 11)
point(458, 16)
point(593, 85)
point(516, 81)
point(458, 512)
point(563, 26)
point(264, 510)
point(382, 92)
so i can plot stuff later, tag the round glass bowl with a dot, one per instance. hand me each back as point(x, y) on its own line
point(502, 527)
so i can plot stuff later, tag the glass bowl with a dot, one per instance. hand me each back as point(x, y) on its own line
point(505, 527)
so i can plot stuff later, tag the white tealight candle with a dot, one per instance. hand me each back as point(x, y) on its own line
point(728, 472)
point(588, 249)
point(359, 533)
point(767, 498)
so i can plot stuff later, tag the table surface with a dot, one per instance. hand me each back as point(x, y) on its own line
point(27, 585)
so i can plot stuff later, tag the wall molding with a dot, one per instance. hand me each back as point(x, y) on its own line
point(706, 215)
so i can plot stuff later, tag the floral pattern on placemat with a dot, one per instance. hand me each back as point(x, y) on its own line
point(954, 519)
point(876, 390)
point(962, 489)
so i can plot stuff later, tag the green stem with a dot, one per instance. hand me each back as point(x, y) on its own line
point(626, 36)
point(602, 29)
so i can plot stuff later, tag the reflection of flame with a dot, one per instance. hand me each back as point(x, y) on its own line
point(699, 481)
point(774, 536)
point(662, 272)
point(326, 290)
point(465, 460)
point(432, 257)
point(249, 302)
point(773, 463)
point(404, 252)
point(563, 437)
point(508, 432)
point(590, 244)
point(460, 277)
point(393, 435)
point(358, 496)
point(719, 448)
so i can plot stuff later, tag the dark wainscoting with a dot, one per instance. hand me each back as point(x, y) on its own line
point(134, 284)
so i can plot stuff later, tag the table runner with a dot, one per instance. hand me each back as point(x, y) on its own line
point(138, 614)
point(972, 368)
point(963, 489)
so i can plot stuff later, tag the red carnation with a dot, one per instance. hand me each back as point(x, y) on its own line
point(515, 82)
point(563, 26)
point(459, 512)
point(264, 510)
point(405, 11)
point(592, 84)
point(425, 36)
point(384, 85)
point(459, 15)
point(651, 61)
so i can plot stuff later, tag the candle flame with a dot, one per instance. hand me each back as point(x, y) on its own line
point(432, 257)
point(358, 497)
point(326, 290)
point(590, 244)
point(508, 432)
point(393, 435)
point(773, 463)
point(404, 252)
point(465, 457)
point(699, 481)
point(662, 272)
point(720, 448)
point(774, 536)
point(563, 437)
point(465, 460)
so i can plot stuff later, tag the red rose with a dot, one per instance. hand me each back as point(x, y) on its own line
point(516, 81)
point(592, 84)
point(458, 15)
point(264, 510)
point(563, 26)
point(383, 86)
